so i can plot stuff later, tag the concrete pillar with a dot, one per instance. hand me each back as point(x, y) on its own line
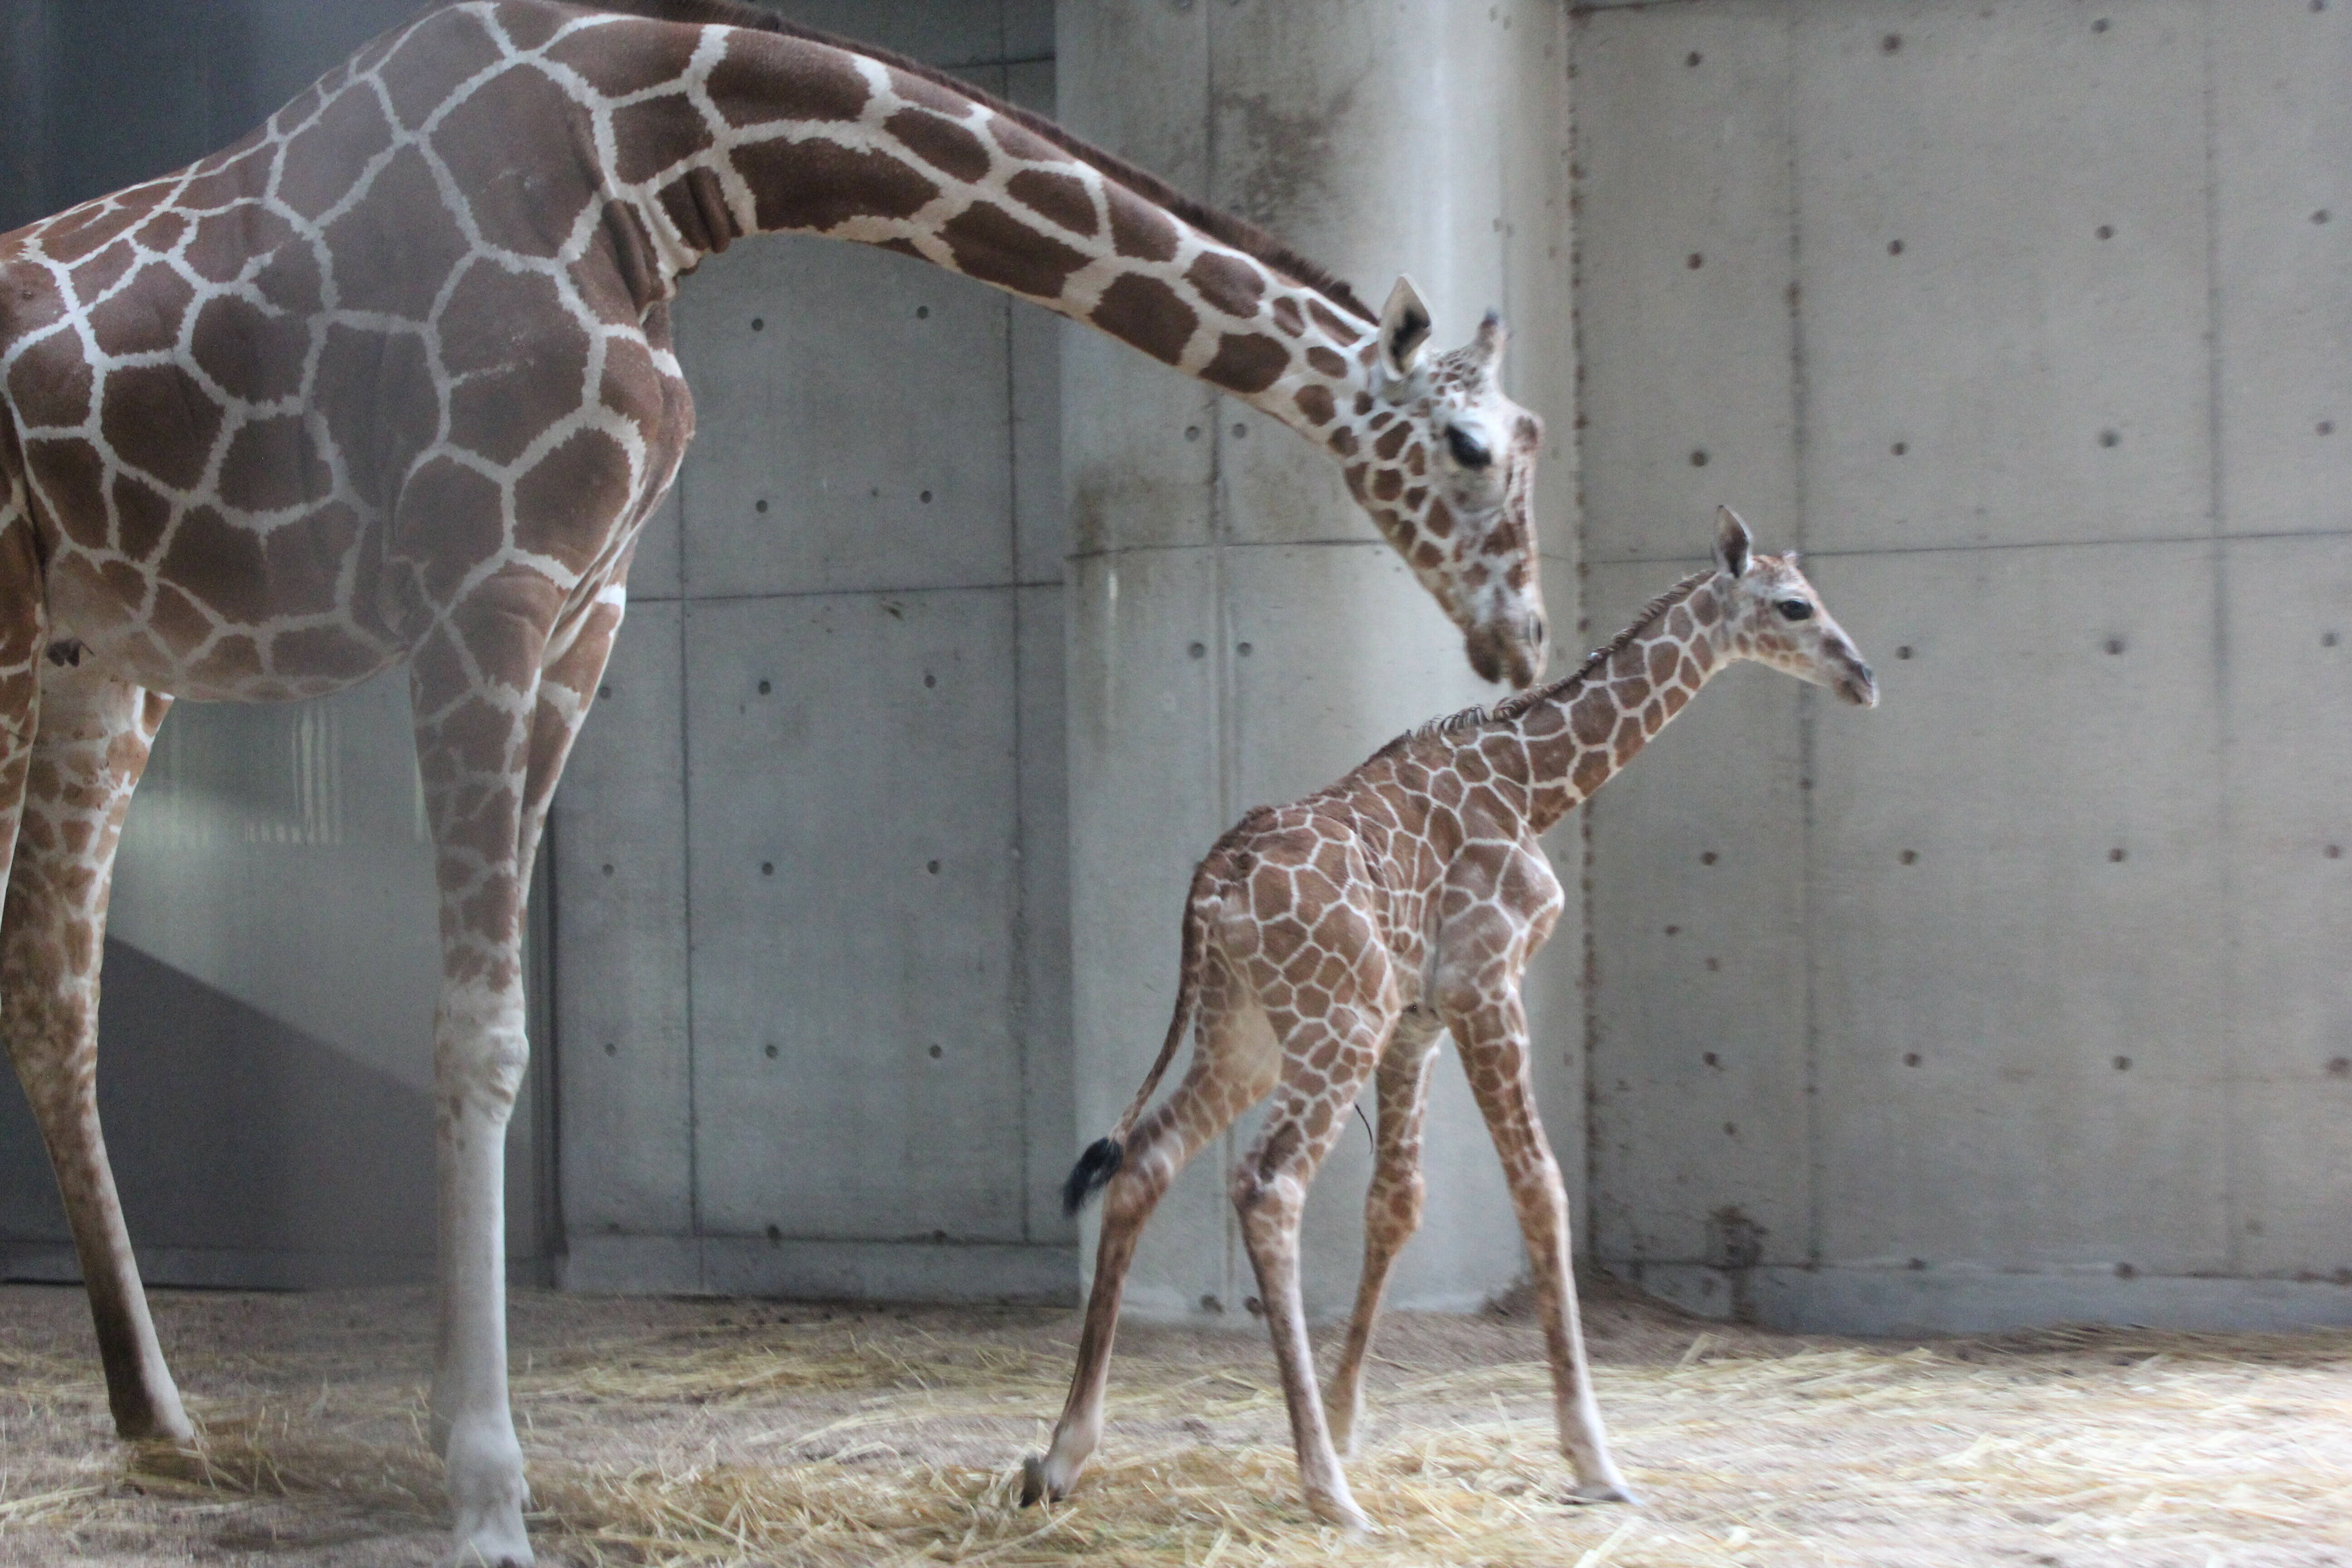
point(1238, 632)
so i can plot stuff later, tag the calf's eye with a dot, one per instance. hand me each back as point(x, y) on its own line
point(1794, 610)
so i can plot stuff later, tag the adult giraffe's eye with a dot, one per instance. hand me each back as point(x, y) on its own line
point(1794, 610)
point(1467, 450)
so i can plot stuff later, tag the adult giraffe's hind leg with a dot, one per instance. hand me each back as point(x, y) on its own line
point(91, 745)
point(1392, 1213)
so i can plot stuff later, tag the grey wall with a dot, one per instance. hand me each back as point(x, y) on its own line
point(2020, 998)
point(812, 904)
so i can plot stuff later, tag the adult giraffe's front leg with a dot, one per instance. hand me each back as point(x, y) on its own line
point(91, 746)
point(476, 684)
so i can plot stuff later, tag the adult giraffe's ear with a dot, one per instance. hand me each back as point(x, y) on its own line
point(1486, 348)
point(1731, 543)
point(1404, 328)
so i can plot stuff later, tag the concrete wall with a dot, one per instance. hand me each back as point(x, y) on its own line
point(2020, 998)
point(812, 912)
point(1239, 634)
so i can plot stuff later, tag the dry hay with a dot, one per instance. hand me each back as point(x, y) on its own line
point(869, 1440)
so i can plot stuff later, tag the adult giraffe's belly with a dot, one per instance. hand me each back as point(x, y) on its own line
point(228, 614)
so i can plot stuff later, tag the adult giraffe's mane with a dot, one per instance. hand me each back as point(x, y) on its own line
point(1220, 226)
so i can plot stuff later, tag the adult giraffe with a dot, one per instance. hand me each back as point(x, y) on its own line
point(391, 378)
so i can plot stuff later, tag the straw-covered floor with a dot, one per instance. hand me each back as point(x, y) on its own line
point(701, 1432)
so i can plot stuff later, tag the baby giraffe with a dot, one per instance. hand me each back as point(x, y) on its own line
point(1341, 935)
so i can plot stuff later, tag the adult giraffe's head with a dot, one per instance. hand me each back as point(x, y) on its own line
point(1445, 465)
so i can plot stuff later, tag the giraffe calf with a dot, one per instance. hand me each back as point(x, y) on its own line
point(1336, 939)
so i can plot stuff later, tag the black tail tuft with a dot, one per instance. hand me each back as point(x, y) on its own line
point(1093, 1172)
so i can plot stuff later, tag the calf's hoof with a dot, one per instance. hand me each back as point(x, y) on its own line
point(1613, 1490)
point(1034, 1490)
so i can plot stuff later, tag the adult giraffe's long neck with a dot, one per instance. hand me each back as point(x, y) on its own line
point(1581, 731)
point(797, 136)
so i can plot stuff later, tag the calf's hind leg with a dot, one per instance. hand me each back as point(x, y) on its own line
point(1233, 1068)
point(1324, 1063)
point(1392, 1213)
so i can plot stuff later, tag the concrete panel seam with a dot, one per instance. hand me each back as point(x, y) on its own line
point(1988, 548)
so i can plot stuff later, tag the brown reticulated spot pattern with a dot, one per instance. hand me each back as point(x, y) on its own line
point(1148, 313)
point(993, 246)
point(1247, 362)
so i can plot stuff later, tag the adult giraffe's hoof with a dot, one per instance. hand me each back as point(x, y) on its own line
point(486, 1493)
point(1033, 1482)
point(1341, 1511)
point(1603, 1492)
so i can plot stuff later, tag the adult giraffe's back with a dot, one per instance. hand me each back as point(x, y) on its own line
point(391, 379)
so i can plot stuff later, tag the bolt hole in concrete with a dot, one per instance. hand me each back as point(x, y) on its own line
point(1198, 650)
point(1903, 652)
point(2100, 26)
point(1894, 247)
point(1910, 1058)
point(929, 680)
point(1900, 448)
point(760, 506)
point(927, 498)
point(2334, 852)
point(1909, 856)
point(2106, 231)
point(759, 324)
point(1706, 858)
point(2111, 437)
point(1695, 262)
point(611, 1050)
point(2327, 640)
point(1245, 650)
point(771, 1053)
point(2115, 644)
point(2123, 1063)
point(2319, 217)
point(767, 867)
point(765, 688)
point(1891, 43)
point(2325, 426)
point(1191, 432)
point(1698, 458)
point(2115, 857)
point(1693, 59)
point(1239, 431)
point(608, 868)
point(2339, 1066)
point(935, 1053)
point(603, 692)
point(932, 866)
point(922, 312)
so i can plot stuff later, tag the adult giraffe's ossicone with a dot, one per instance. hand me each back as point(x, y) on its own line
point(391, 378)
